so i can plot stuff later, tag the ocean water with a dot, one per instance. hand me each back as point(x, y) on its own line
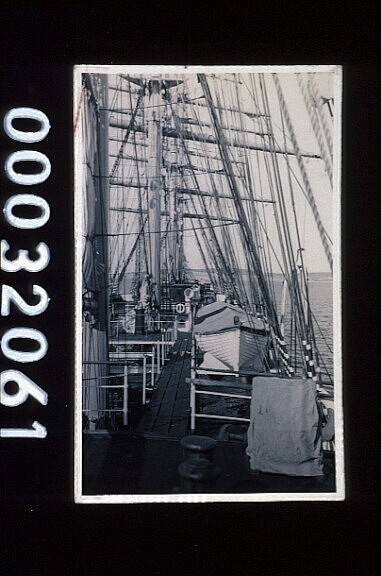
point(321, 299)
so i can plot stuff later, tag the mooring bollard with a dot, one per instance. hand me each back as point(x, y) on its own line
point(198, 469)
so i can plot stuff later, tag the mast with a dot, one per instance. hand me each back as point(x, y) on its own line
point(173, 224)
point(154, 184)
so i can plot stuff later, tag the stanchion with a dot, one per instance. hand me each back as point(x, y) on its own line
point(153, 367)
point(193, 406)
point(158, 357)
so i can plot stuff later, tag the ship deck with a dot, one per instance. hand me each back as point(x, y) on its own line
point(167, 415)
point(128, 463)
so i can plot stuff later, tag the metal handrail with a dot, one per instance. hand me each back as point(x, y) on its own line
point(158, 355)
point(123, 386)
point(194, 392)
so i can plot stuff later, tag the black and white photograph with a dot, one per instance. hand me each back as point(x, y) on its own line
point(208, 283)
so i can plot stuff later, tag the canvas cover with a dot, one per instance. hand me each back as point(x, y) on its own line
point(284, 435)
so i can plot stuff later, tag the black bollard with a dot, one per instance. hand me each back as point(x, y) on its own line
point(198, 470)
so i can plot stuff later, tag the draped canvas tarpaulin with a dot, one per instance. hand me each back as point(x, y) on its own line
point(284, 435)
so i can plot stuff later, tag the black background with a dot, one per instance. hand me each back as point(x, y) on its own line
point(39, 522)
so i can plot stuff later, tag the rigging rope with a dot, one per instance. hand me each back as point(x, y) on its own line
point(227, 262)
point(242, 215)
point(291, 169)
point(313, 89)
point(210, 227)
point(311, 109)
point(306, 182)
point(125, 139)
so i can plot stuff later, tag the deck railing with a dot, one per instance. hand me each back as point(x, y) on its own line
point(151, 365)
point(159, 348)
point(86, 385)
point(120, 310)
point(143, 357)
point(194, 392)
point(96, 382)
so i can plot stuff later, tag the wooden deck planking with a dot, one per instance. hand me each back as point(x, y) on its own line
point(167, 413)
point(181, 407)
point(173, 378)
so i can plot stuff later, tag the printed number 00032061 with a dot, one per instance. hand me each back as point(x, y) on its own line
point(25, 386)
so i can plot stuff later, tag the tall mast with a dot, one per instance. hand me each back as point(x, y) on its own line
point(175, 164)
point(154, 184)
point(173, 227)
